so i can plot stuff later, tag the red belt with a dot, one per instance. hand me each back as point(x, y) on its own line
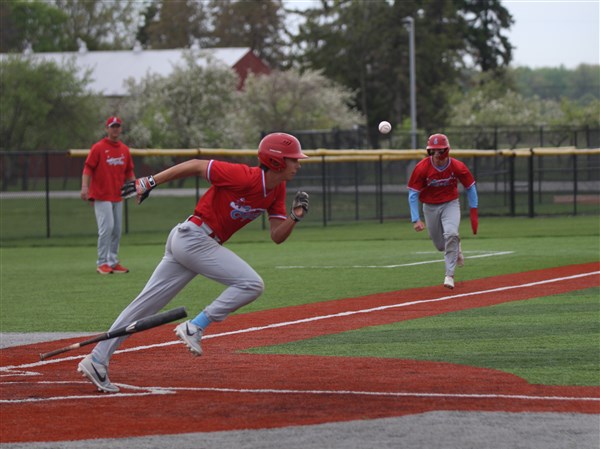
point(198, 222)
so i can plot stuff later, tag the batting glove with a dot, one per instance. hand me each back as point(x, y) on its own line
point(300, 200)
point(474, 220)
point(141, 188)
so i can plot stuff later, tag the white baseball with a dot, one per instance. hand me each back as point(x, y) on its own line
point(385, 127)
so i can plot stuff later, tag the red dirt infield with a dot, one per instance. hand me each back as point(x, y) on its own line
point(165, 390)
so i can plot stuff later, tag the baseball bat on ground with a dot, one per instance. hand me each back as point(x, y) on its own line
point(137, 326)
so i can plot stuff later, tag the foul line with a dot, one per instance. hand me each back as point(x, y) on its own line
point(17, 368)
point(148, 391)
point(412, 264)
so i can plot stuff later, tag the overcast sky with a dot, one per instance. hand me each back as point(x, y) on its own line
point(548, 33)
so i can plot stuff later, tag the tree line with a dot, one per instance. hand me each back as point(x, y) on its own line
point(337, 63)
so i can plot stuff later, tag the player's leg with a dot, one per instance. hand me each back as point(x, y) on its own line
point(115, 239)
point(433, 222)
point(168, 279)
point(105, 222)
point(450, 218)
point(199, 253)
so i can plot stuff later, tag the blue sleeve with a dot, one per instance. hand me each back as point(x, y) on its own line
point(413, 202)
point(472, 197)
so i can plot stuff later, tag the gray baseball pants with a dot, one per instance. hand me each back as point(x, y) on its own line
point(442, 221)
point(109, 217)
point(189, 252)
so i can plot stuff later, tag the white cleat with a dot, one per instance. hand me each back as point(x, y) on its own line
point(449, 282)
point(97, 373)
point(190, 335)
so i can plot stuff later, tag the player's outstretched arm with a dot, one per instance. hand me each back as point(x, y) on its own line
point(141, 187)
point(193, 167)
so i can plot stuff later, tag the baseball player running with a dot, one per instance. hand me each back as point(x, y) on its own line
point(238, 194)
point(434, 182)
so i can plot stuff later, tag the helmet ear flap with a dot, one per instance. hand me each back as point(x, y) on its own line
point(276, 164)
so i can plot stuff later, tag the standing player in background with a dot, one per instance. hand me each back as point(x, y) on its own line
point(107, 167)
point(238, 195)
point(434, 182)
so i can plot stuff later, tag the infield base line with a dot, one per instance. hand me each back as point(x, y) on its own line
point(17, 368)
point(156, 390)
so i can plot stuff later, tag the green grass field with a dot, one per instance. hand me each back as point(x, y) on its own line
point(51, 285)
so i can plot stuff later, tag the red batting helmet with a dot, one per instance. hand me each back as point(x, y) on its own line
point(438, 142)
point(275, 147)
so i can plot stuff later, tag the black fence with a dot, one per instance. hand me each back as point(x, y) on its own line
point(40, 191)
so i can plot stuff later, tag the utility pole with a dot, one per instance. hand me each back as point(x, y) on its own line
point(410, 26)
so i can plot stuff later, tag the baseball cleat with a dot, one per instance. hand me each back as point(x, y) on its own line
point(190, 335)
point(118, 268)
point(449, 282)
point(460, 259)
point(104, 269)
point(97, 373)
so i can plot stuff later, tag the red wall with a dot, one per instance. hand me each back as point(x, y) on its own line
point(250, 63)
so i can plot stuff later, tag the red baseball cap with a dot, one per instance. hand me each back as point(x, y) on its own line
point(113, 121)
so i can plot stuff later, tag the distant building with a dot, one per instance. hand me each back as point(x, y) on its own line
point(110, 69)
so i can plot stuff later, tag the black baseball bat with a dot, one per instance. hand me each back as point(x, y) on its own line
point(137, 326)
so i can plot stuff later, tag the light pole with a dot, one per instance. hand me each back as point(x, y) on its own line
point(410, 25)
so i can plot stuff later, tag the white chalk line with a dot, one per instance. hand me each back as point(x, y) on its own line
point(411, 264)
point(17, 368)
point(155, 390)
point(148, 391)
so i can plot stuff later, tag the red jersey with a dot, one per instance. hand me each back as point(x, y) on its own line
point(109, 164)
point(438, 185)
point(237, 196)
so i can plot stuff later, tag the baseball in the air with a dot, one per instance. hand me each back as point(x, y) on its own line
point(385, 127)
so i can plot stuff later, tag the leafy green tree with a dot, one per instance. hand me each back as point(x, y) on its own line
point(493, 104)
point(149, 14)
point(56, 25)
point(584, 82)
point(558, 82)
point(288, 100)
point(363, 45)
point(183, 110)
point(484, 21)
point(174, 24)
point(479, 108)
point(101, 25)
point(355, 44)
point(37, 24)
point(258, 24)
point(45, 107)
point(581, 113)
point(200, 106)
